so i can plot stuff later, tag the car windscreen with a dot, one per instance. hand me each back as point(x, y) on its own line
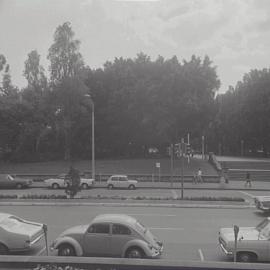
point(9, 177)
point(141, 228)
point(261, 225)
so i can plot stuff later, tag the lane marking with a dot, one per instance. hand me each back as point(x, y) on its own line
point(41, 251)
point(168, 228)
point(248, 194)
point(174, 193)
point(152, 215)
point(201, 254)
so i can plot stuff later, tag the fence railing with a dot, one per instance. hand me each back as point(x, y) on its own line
point(138, 177)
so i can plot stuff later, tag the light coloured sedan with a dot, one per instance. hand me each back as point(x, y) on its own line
point(60, 182)
point(17, 234)
point(121, 181)
point(253, 243)
point(110, 235)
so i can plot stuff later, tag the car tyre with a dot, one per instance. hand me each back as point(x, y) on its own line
point(246, 257)
point(66, 250)
point(110, 186)
point(135, 253)
point(3, 249)
point(131, 187)
point(85, 186)
point(55, 186)
point(19, 186)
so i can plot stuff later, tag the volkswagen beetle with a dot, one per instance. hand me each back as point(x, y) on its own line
point(110, 235)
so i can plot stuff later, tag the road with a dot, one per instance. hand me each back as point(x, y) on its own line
point(187, 233)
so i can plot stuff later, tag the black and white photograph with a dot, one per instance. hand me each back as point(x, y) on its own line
point(134, 134)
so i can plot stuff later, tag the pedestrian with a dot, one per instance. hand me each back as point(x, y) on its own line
point(248, 180)
point(73, 181)
point(194, 178)
point(199, 176)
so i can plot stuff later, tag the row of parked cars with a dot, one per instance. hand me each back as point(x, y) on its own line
point(110, 235)
point(114, 181)
point(117, 235)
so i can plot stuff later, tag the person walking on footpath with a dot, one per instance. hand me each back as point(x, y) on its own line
point(199, 176)
point(194, 178)
point(248, 180)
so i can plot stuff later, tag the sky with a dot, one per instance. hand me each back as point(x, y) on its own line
point(235, 34)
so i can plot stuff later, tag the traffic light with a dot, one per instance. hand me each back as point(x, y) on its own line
point(188, 149)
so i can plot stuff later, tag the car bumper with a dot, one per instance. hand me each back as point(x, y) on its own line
point(156, 253)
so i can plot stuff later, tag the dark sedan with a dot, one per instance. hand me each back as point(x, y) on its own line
point(8, 181)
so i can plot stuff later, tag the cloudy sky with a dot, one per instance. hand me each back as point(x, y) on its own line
point(235, 34)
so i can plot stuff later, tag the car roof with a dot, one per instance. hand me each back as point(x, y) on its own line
point(4, 216)
point(119, 175)
point(115, 218)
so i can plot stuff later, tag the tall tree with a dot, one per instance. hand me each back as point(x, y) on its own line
point(66, 67)
point(34, 72)
point(66, 60)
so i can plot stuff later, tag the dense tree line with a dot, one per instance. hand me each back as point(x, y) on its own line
point(139, 103)
point(242, 125)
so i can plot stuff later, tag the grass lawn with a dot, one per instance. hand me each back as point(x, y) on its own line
point(117, 166)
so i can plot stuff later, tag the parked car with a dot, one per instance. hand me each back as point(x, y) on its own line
point(121, 181)
point(59, 182)
point(262, 203)
point(111, 235)
point(17, 234)
point(9, 181)
point(253, 242)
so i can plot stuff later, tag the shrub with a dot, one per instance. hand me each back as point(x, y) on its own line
point(55, 267)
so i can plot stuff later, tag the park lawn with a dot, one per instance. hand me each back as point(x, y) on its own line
point(111, 166)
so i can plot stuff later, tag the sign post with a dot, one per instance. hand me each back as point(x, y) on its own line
point(45, 229)
point(172, 154)
point(182, 167)
point(158, 166)
point(236, 231)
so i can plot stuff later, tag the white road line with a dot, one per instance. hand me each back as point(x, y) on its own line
point(201, 254)
point(152, 215)
point(168, 228)
point(41, 251)
point(248, 194)
point(174, 193)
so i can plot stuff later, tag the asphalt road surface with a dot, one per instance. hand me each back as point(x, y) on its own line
point(187, 233)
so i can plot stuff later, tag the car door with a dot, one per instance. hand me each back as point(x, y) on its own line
point(97, 240)
point(121, 234)
point(123, 183)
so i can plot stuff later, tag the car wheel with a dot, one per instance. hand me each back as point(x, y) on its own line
point(131, 187)
point(110, 186)
point(135, 253)
point(85, 186)
point(3, 250)
point(55, 186)
point(66, 250)
point(246, 257)
point(19, 186)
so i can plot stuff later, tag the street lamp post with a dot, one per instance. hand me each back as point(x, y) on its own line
point(93, 136)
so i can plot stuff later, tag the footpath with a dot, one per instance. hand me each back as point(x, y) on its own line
point(232, 185)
